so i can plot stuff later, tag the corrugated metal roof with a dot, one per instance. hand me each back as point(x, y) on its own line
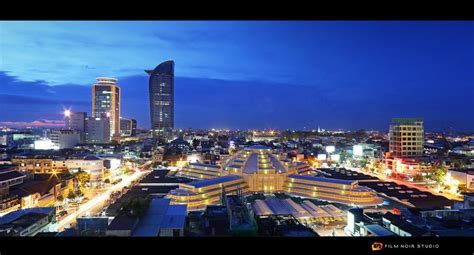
point(204, 165)
point(321, 179)
point(213, 181)
point(378, 230)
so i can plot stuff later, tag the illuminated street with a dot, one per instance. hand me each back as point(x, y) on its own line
point(96, 204)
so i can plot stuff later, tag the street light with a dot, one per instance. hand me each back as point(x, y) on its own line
point(67, 113)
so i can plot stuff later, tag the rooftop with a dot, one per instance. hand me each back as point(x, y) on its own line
point(122, 222)
point(204, 165)
point(5, 176)
point(463, 170)
point(7, 167)
point(322, 179)
point(406, 121)
point(213, 181)
point(378, 230)
point(12, 216)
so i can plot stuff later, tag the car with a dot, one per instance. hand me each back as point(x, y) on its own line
point(62, 213)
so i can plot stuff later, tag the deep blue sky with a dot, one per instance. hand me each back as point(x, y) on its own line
point(279, 74)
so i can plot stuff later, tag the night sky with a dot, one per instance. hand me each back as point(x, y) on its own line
point(279, 74)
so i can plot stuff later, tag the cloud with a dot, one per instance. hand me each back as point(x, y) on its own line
point(35, 123)
point(215, 103)
point(6, 99)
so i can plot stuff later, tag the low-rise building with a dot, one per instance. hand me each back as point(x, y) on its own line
point(360, 223)
point(28, 222)
point(92, 165)
point(464, 176)
point(9, 178)
point(409, 167)
point(401, 227)
point(161, 219)
point(306, 212)
point(64, 138)
point(39, 164)
point(283, 226)
point(92, 226)
point(128, 127)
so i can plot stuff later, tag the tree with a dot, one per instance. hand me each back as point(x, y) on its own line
point(82, 177)
point(363, 162)
point(71, 195)
point(439, 174)
point(136, 206)
point(79, 193)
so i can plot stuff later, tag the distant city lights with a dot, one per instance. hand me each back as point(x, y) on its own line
point(330, 149)
point(335, 157)
point(358, 150)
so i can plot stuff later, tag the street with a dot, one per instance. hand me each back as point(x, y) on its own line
point(97, 203)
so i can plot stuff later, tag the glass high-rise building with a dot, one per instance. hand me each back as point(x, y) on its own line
point(106, 103)
point(161, 89)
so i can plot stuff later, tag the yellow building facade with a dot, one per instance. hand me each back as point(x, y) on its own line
point(257, 170)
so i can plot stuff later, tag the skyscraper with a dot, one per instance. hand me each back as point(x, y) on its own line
point(161, 89)
point(106, 103)
point(406, 138)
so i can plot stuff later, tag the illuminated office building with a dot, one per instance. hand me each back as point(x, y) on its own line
point(161, 92)
point(406, 144)
point(106, 104)
point(406, 138)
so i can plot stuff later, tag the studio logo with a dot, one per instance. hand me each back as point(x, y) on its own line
point(376, 246)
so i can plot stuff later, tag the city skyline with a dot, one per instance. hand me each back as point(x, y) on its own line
point(348, 75)
point(309, 124)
